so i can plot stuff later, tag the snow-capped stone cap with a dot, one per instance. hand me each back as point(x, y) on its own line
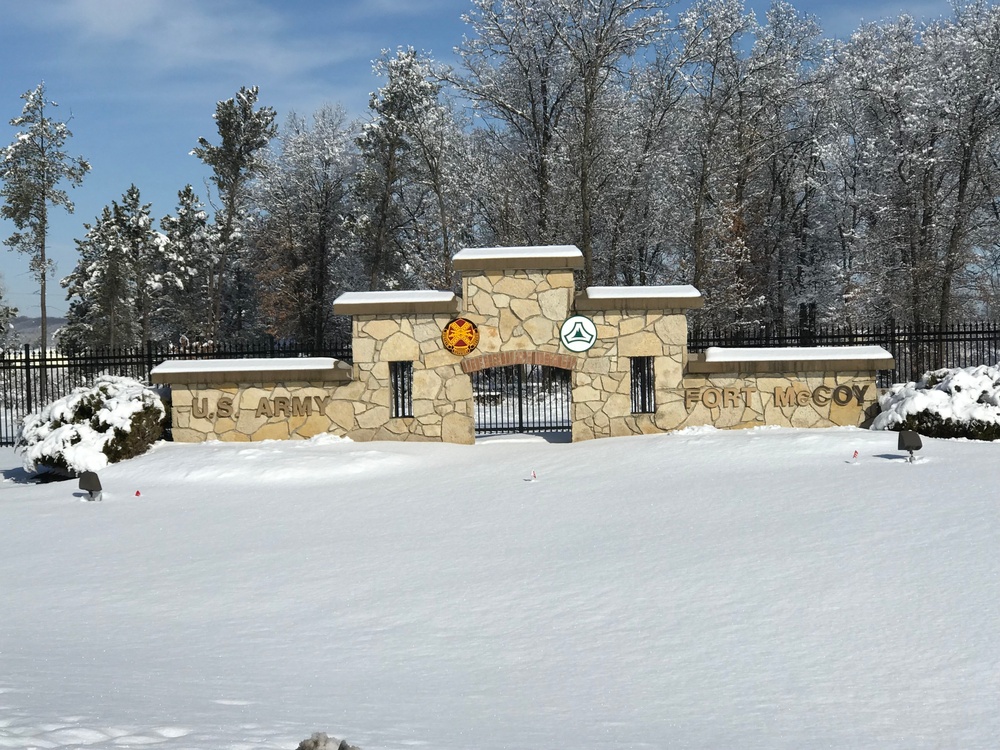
point(530, 258)
point(678, 297)
point(395, 302)
point(717, 359)
point(265, 369)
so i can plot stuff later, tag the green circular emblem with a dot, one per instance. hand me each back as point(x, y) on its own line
point(578, 333)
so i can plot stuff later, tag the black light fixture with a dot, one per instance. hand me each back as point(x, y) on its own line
point(909, 441)
point(90, 483)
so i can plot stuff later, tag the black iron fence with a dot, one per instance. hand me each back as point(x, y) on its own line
point(523, 400)
point(916, 348)
point(29, 379)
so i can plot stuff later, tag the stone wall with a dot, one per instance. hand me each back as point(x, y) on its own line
point(518, 310)
point(602, 404)
point(519, 299)
point(244, 412)
point(816, 399)
point(442, 392)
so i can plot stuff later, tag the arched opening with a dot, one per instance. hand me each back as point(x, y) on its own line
point(522, 392)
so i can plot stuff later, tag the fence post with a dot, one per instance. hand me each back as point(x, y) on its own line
point(149, 360)
point(27, 378)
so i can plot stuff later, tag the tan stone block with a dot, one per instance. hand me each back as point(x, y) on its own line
point(181, 397)
point(508, 322)
point(585, 393)
point(670, 415)
point(458, 388)
point(373, 418)
point(620, 428)
point(426, 384)
point(555, 304)
point(458, 428)
point(224, 425)
point(426, 330)
point(484, 305)
point(187, 435)
point(517, 287)
point(525, 308)
point(618, 405)
point(643, 344)
point(489, 339)
point(806, 416)
point(668, 373)
point(248, 423)
point(235, 437)
point(363, 349)
point(501, 301)
point(596, 365)
point(349, 392)
point(432, 430)
point(320, 424)
point(582, 432)
point(361, 436)
point(380, 329)
point(271, 431)
point(672, 329)
point(632, 324)
point(542, 331)
point(400, 347)
point(422, 407)
point(440, 358)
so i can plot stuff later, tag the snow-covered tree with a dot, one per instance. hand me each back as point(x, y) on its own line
point(521, 79)
point(32, 168)
point(411, 193)
point(112, 288)
point(300, 244)
point(244, 131)
point(182, 296)
point(7, 314)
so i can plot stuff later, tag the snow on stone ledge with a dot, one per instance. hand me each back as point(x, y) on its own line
point(263, 370)
point(677, 297)
point(532, 257)
point(398, 302)
point(795, 353)
point(267, 364)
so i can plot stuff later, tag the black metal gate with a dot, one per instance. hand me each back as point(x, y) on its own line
point(522, 398)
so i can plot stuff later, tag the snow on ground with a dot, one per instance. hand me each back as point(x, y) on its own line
point(706, 589)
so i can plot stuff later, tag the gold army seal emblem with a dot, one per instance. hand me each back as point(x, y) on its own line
point(460, 336)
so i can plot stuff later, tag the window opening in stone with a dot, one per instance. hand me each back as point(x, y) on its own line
point(643, 386)
point(401, 385)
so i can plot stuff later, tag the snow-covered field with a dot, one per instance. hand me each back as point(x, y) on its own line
point(706, 589)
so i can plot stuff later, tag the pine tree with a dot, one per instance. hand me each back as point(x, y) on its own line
point(112, 288)
point(299, 239)
point(32, 168)
point(182, 296)
point(244, 131)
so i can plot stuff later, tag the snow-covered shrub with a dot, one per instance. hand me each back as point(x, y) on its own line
point(117, 418)
point(963, 402)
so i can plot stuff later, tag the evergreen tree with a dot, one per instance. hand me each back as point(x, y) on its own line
point(244, 131)
point(299, 239)
point(182, 298)
point(32, 168)
point(7, 314)
point(112, 288)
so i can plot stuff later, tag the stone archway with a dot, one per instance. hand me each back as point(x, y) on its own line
point(521, 392)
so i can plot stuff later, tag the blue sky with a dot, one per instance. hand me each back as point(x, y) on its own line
point(139, 79)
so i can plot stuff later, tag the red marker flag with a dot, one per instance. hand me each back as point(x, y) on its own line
point(855, 454)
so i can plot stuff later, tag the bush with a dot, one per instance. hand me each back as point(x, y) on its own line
point(116, 419)
point(948, 403)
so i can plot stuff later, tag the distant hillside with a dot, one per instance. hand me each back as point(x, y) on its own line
point(29, 330)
